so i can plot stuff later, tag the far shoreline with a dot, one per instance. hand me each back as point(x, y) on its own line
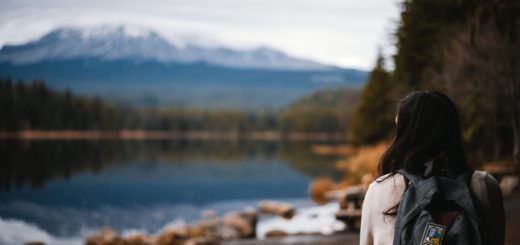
point(172, 135)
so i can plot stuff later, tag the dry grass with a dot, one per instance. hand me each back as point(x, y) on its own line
point(502, 167)
point(364, 162)
point(359, 165)
point(342, 150)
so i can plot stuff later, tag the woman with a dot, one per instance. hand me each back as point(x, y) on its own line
point(427, 131)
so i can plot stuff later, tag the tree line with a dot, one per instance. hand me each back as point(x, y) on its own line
point(469, 50)
point(34, 106)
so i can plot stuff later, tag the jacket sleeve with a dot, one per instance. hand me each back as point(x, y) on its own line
point(366, 233)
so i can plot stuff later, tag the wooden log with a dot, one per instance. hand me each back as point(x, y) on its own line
point(350, 206)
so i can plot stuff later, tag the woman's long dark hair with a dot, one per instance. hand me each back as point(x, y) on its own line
point(427, 130)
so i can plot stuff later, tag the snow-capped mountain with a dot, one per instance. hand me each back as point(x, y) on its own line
point(121, 42)
point(139, 67)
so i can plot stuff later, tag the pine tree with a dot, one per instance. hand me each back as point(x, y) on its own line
point(373, 118)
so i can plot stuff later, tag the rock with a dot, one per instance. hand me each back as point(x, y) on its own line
point(318, 189)
point(105, 236)
point(216, 228)
point(283, 210)
point(250, 213)
point(173, 236)
point(196, 231)
point(233, 225)
point(508, 184)
point(251, 216)
point(202, 241)
point(276, 233)
point(226, 232)
point(239, 223)
point(210, 227)
point(138, 239)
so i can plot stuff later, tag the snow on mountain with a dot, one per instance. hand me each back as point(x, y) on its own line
point(124, 42)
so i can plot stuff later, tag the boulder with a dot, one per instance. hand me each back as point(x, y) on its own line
point(283, 210)
point(105, 236)
point(219, 229)
point(318, 189)
point(238, 222)
point(173, 236)
point(138, 239)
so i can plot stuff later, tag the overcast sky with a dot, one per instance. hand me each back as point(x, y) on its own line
point(339, 32)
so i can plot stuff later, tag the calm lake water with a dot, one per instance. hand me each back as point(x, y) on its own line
point(71, 188)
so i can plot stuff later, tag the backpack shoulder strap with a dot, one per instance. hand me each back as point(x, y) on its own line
point(414, 179)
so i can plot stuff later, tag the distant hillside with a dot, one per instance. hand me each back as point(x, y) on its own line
point(146, 70)
point(323, 110)
point(337, 98)
point(34, 106)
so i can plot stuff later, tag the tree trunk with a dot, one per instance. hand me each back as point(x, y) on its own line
point(513, 65)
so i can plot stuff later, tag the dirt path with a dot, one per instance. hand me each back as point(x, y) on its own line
point(336, 239)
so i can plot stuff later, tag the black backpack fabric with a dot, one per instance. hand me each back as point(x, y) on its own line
point(417, 220)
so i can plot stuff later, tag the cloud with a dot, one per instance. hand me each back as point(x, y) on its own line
point(341, 32)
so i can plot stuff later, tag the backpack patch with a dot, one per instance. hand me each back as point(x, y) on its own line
point(433, 234)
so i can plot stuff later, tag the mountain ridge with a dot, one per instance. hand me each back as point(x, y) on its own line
point(120, 42)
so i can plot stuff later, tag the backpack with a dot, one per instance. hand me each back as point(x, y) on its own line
point(437, 210)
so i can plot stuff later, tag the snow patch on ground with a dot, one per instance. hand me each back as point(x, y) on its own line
point(318, 219)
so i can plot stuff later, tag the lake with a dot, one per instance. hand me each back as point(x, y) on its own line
point(68, 189)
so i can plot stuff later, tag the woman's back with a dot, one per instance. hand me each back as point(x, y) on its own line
point(427, 147)
point(383, 194)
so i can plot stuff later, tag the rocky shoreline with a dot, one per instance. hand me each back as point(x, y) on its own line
point(240, 228)
point(211, 230)
point(236, 228)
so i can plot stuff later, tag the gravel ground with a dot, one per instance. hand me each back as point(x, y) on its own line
point(340, 238)
point(512, 207)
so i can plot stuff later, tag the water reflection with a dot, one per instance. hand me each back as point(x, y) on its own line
point(34, 163)
point(66, 187)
